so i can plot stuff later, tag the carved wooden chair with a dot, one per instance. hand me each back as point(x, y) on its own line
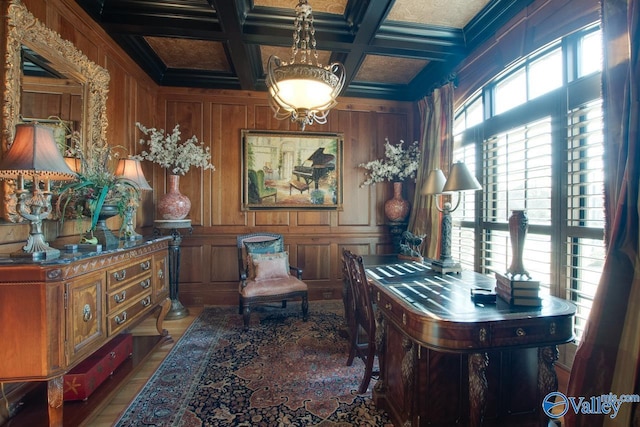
point(362, 318)
point(265, 274)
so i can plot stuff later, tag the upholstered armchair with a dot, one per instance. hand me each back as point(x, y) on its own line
point(258, 191)
point(265, 274)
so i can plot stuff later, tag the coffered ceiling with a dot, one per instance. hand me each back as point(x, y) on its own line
point(391, 49)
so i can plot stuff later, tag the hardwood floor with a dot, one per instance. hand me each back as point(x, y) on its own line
point(128, 391)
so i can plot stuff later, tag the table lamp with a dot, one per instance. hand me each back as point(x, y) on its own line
point(460, 179)
point(34, 155)
point(131, 170)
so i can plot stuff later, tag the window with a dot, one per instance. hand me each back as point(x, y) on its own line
point(538, 147)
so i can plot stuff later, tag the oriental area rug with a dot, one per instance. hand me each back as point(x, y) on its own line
point(282, 372)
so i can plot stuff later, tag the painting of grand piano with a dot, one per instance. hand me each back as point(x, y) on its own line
point(291, 170)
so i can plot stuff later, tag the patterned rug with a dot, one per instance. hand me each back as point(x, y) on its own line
point(282, 372)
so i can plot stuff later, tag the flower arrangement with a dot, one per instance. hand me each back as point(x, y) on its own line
point(167, 151)
point(399, 164)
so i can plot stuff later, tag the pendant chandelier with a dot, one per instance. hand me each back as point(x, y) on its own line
point(303, 90)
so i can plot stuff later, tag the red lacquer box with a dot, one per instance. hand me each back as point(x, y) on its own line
point(83, 380)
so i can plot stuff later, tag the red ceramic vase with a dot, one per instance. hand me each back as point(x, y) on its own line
point(397, 209)
point(173, 204)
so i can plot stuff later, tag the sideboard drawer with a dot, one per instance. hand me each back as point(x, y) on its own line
point(121, 319)
point(123, 295)
point(121, 275)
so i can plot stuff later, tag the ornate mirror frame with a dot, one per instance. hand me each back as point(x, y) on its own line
point(22, 28)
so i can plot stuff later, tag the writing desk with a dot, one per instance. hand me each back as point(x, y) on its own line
point(447, 361)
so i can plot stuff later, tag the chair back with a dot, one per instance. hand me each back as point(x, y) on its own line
point(264, 242)
point(361, 292)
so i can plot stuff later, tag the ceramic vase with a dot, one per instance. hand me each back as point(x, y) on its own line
point(518, 227)
point(397, 209)
point(173, 204)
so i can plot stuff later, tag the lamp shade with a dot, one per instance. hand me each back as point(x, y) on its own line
point(131, 170)
point(74, 163)
point(460, 179)
point(434, 183)
point(35, 152)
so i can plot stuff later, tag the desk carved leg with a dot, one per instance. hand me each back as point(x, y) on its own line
point(55, 388)
point(478, 363)
point(547, 376)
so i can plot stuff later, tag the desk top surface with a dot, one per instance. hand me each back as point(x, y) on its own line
point(448, 296)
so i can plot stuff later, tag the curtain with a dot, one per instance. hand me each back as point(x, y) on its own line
point(609, 353)
point(436, 145)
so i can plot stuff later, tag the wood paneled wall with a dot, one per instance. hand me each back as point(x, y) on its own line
point(209, 268)
point(315, 239)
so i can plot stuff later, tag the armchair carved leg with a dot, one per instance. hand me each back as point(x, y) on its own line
point(246, 316)
point(305, 308)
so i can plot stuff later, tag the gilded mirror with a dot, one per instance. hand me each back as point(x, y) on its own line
point(22, 30)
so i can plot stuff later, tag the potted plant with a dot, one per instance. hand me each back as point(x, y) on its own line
point(97, 192)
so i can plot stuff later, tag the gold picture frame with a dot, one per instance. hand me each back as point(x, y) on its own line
point(291, 170)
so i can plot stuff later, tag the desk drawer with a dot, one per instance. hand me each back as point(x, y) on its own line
point(520, 333)
point(120, 276)
point(122, 318)
point(123, 295)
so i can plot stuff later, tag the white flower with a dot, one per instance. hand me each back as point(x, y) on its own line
point(398, 165)
point(167, 151)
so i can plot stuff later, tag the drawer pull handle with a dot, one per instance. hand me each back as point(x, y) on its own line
point(161, 274)
point(112, 355)
point(120, 275)
point(521, 332)
point(119, 320)
point(86, 313)
point(146, 302)
point(145, 283)
point(388, 306)
point(120, 297)
point(145, 265)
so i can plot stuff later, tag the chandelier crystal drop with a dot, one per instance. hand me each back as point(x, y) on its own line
point(302, 90)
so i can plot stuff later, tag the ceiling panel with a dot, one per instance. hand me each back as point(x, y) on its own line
point(391, 49)
point(443, 13)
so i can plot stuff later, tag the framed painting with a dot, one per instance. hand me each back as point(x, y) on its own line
point(291, 170)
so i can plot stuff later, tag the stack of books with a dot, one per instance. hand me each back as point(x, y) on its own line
point(518, 292)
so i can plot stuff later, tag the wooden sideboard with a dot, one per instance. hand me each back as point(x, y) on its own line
point(445, 360)
point(55, 313)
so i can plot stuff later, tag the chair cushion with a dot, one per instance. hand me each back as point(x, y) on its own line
point(269, 266)
point(252, 258)
point(264, 246)
point(272, 287)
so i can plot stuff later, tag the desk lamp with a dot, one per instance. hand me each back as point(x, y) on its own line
point(460, 179)
point(35, 155)
point(131, 170)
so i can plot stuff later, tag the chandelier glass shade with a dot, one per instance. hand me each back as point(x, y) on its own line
point(302, 90)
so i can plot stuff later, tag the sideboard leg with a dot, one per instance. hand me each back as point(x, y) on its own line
point(55, 389)
point(165, 307)
point(478, 387)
